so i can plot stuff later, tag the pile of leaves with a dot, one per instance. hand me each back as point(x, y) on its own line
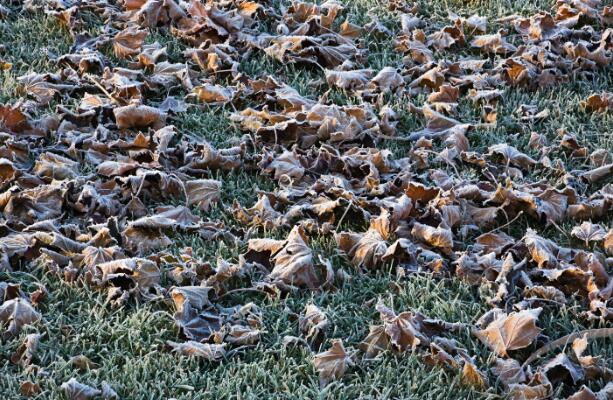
point(95, 191)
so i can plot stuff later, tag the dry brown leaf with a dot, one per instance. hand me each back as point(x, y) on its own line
point(511, 332)
point(313, 325)
point(440, 237)
point(598, 174)
point(589, 232)
point(608, 242)
point(74, 390)
point(403, 329)
point(129, 42)
point(15, 314)
point(207, 351)
point(543, 251)
point(202, 193)
point(495, 43)
point(599, 102)
point(509, 371)
point(388, 79)
point(348, 80)
point(538, 388)
point(83, 363)
point(198, 297)
point(512, 156)
point(293, 264)
point(496, 242)
point(25, 353)
point(138, 116)
point(365, 249)
point(214, 94)
point(471, 376)
point(241, 335)
point(561, 368)
point(129, 274)
point(375, 342)
point(29, 388)
point(333, 363)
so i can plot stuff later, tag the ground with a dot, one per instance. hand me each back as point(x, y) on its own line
point(128, 343)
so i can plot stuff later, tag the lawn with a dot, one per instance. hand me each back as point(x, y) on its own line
point(128, 343)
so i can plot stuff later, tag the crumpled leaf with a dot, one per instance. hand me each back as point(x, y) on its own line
point(471, 376)
point(127, 276)
point(364, 249)
point(333, 363)
point(313, 325)
point(440, 237)
point(512, 156)
point(538, 387)
point(15, 314)
point(139, 116)
point(403, 329)
point(599, 102)
point(29, 388)
point(129, 42)
point(75, 390)
point(210, 352)
point(494, 43)
point(26, 351)
point(348, 80)
point(509, 371)
point(561, 368)
point(83, 363)
point(293, 264)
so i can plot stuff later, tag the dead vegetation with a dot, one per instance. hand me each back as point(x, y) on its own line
point(97, 181)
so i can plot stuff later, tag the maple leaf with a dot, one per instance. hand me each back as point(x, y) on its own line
point(511, 332)
point(16, 313)
point(440, 237)
point(76, 390)
point(333, 363)
point(509, 371)
point(202, 192)
point(129, 42)
point(210, 352)
point(375, 342)
point(293, 264)
point(471, 376)
point(26, 351)
point(589, 232)
point(349, 80)
point(364, 249)
point(313, 325)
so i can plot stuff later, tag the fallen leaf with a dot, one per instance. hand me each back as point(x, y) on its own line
point(589, 232)
point(202, 193)
point(129, 42)
point(333, 363)
point(511, 332)
point(74, 390)
point(293, 264)
point(26, 351)
point(313, 325)
point(138, 116)
point(210, 352)
point(16, 313)
point(29, 388)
